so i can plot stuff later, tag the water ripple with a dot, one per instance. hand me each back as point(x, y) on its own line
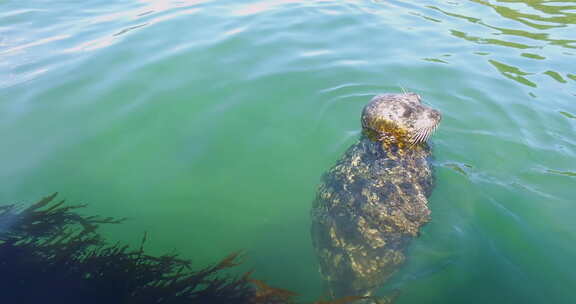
point(513, 25)
point(247, 103)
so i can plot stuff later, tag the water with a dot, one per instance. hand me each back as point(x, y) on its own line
point(209, 123)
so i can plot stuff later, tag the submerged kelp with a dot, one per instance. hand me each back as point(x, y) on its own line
point(50, 252)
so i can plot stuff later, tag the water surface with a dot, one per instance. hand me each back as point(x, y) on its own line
point(209, 123)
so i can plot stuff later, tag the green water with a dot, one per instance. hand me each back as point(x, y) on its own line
point(209, 123)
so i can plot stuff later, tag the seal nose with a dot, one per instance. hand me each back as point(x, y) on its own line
point(435, 114)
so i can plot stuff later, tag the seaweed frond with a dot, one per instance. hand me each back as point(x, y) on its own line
point(50, 251)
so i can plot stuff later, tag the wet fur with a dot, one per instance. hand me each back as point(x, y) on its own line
point(374, 200)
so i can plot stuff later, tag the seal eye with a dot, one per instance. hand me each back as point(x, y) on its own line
point(407, 112)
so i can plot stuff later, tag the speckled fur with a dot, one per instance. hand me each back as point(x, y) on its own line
point(374, 200)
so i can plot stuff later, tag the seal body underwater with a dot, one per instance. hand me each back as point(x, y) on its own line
point(374, 200)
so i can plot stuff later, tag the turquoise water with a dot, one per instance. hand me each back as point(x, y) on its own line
point(209, 123)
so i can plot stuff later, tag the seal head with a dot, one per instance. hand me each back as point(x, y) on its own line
point(399, 119)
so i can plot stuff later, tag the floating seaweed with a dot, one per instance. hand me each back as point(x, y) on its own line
point(49, 253)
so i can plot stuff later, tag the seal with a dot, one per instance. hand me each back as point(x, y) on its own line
point(375, 199)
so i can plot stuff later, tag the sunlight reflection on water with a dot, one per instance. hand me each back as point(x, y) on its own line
point(529, 25)
point(213, 120)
